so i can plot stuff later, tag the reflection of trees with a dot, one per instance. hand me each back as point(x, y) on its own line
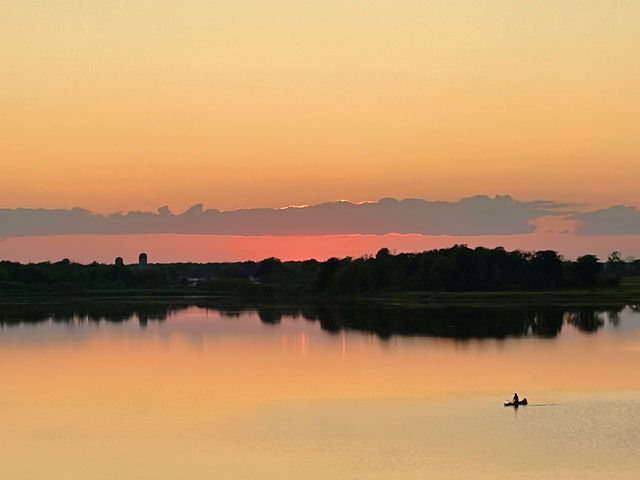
point(274, 314)
point(585, 320)
point(269, 315)
point(384, 321)
point(457, 322)
point(546, 323)
point(452, 322)
point(112, 312)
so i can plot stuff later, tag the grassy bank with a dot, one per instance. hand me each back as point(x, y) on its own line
point(627, 293)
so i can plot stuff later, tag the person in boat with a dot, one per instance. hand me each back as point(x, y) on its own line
point(516, 400)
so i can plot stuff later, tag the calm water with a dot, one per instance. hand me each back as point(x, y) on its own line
point(159, 391)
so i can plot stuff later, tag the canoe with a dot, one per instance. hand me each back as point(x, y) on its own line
point(511, 404)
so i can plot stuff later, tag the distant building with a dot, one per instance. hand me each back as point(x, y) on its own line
point(142, 260)
point(119, 261)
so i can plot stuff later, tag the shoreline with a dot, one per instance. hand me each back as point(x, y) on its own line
point(628, 293)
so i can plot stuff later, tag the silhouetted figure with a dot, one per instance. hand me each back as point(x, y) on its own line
point(142, 260)
point(119, 261)
point(516, 400)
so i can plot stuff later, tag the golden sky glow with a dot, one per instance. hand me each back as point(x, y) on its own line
point(120, 105)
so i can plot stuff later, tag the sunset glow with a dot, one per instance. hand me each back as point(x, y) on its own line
point(224, 248)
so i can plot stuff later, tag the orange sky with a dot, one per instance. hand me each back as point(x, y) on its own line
point(124, 105)
point(227, 248)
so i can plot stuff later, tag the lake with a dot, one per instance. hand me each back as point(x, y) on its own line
point(169, 390)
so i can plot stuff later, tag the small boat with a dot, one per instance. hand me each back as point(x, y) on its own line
point(511, 404)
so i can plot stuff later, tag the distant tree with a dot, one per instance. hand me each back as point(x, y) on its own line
point(266, 267)
point(441, 275)
point(634, 267)
point(326, 272)
point(614, 257)
point(546, 267)
point(615, 266)
point(586, 268)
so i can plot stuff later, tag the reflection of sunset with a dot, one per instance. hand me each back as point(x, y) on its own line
point(297, 342)
point(303, 361)
point(226, 385)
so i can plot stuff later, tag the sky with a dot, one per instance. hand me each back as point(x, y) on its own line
point(124, 106)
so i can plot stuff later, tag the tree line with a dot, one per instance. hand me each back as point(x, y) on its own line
point(456, 269)
point(461, 269)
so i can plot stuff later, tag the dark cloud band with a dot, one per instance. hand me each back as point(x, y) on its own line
point(478, 215)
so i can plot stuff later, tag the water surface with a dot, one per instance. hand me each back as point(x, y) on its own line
point(118, 390)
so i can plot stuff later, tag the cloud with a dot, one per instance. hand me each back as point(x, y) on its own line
point(556, 224)
point(616, 220)
point(478, 215)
